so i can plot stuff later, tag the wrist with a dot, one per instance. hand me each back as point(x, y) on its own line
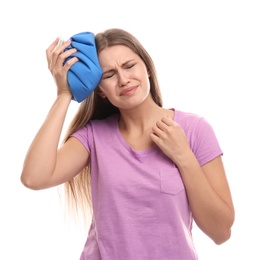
point(65, 95)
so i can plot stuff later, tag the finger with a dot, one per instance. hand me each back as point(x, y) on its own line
point(63, 56)
point(70, 63)
point(155, 138)
point(157, 131)
point(55, 50)
point(50, 49)
point(161, 125)
point(167, 120)
point(61, 45)
point(58, 50)
point(164, 123)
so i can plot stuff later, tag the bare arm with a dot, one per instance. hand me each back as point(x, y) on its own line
point(44, 165)
point(209, 197)
point(207, 186)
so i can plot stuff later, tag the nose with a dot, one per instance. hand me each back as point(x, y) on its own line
point(123, 78)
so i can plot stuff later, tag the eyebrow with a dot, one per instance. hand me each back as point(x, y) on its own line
point(111, 69)
point(107, 71)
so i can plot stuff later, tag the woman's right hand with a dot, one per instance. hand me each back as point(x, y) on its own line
point(45, 165)
point(56, 56)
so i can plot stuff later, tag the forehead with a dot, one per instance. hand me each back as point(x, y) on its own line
point(116, 55)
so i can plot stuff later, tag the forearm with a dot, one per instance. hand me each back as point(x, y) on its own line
point(40, 160)
point(212, 214)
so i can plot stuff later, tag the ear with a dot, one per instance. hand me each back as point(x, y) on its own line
point(101, 93)
point(149, 74)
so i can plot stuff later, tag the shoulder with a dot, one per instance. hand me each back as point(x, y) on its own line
point(99, 127)
point(200, 134)
point(189, 120)
point(96, 130)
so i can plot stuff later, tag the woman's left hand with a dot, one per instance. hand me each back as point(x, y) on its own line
point(171, 139)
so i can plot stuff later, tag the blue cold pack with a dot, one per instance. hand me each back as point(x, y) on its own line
point(85, 74)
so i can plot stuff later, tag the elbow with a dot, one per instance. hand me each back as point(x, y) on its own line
point(222, 237)
point(29, 182)
point(224, 234)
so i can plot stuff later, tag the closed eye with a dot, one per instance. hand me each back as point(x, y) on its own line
point(108, 74)
point(129, 66)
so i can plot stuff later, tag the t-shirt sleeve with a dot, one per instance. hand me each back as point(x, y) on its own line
point(203, 142)
point(83, 135)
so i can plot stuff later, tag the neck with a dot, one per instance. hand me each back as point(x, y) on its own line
point(141, 119)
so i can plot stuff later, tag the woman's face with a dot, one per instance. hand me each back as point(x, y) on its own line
point(125, 79)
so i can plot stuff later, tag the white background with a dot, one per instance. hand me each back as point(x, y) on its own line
point(209, 58)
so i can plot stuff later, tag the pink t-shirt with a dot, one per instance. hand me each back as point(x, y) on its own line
point(139, 201)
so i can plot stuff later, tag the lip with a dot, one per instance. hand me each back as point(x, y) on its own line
point(128, 91)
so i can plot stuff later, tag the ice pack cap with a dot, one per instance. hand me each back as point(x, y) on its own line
point(85, 74)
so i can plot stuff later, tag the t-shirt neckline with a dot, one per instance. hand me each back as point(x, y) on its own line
point(140, 153)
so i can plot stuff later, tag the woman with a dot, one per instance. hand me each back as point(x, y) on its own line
point(151, 170)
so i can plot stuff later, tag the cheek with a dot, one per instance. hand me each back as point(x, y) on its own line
point(102, 92)
point(143, 74)
point(106, 91)
point(147, 81)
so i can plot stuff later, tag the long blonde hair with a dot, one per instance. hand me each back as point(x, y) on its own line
point(78, 190)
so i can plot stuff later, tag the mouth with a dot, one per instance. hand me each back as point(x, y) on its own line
point(128, 91)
